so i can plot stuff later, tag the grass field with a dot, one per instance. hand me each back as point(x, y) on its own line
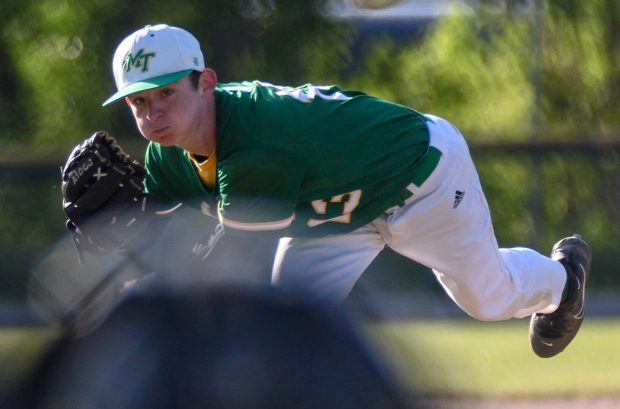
point(20, 350)
point(471, 358)
point(456, 358)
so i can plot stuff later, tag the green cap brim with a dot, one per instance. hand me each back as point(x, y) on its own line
point(146, 85)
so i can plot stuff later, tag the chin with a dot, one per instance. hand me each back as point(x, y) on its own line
point(164, 140)
point(165, 143)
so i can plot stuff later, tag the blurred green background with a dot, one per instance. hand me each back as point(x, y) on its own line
point(534, 85)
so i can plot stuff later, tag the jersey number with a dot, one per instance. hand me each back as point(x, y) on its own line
point(349, 202)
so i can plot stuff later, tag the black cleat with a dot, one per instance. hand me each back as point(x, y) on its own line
point(551, 333)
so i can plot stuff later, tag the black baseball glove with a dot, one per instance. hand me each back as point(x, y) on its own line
point(103, 195)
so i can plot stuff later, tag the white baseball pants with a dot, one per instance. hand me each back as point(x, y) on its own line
point(447, 231)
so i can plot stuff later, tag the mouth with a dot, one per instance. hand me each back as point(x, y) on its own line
point(159, 131)
point(161, 135)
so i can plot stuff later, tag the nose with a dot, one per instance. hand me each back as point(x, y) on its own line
point(155, 110)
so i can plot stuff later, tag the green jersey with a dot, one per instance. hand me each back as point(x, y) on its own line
point(311, 160)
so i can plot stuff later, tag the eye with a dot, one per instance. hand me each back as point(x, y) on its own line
point(137, 100)
point(166, 92)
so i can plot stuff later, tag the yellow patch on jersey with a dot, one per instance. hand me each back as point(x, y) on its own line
point(207, 169)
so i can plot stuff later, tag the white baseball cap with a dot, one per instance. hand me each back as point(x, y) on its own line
point(152, 57)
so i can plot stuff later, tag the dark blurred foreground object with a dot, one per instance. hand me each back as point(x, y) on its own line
point(214, 348)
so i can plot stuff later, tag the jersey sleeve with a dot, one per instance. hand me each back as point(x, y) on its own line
point(259, 189)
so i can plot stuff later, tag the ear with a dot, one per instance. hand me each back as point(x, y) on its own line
point(207, 82)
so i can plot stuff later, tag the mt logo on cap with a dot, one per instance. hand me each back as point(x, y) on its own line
point(137, 61)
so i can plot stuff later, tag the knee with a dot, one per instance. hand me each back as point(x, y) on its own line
point(485, 316)
point(485, 312)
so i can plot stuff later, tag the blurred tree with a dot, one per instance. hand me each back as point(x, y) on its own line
point(13, 112)
point(481, 69)
point(58, 55)
point(581, 70)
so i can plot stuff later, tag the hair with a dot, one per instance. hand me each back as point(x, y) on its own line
point(194, 78)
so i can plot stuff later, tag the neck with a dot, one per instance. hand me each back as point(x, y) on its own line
point(208, 147)
point(206, 130)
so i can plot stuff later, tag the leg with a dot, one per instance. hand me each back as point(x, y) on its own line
point(326, 267)
point(447, 227)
